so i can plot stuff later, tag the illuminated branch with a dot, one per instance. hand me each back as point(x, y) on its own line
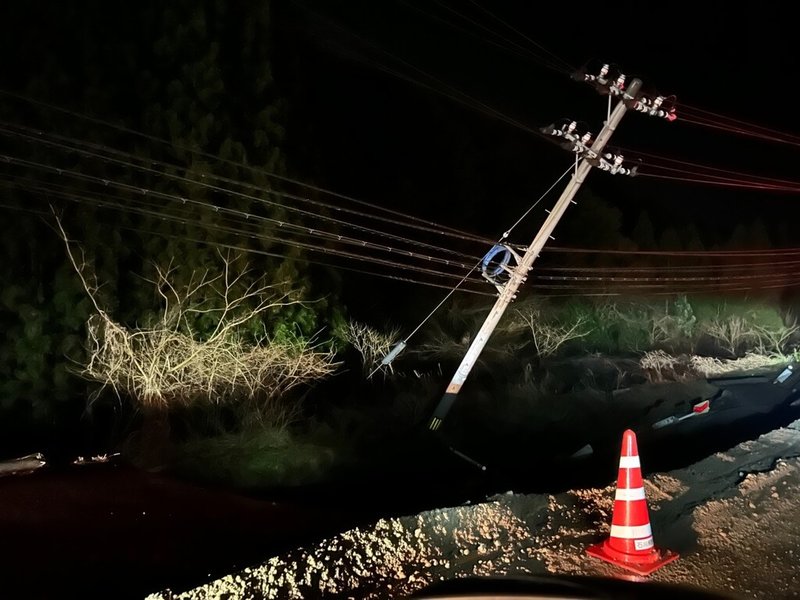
point(166, 366)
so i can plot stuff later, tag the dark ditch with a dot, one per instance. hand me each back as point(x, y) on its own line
point(112, 531)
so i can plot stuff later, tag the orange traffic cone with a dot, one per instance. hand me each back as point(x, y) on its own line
point(630, 544)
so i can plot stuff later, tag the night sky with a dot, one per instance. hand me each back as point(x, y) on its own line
point(380, 137)
point(724, 60)
point(355, 129)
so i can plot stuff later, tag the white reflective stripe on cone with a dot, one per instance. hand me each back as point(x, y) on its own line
point(632, 494)
point(631, 533)
point(629, 462)
point(644, 544)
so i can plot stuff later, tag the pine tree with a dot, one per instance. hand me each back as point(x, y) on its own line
point(669, 240)
point(643, 233)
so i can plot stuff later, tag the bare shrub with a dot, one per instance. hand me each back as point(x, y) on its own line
point(660, 330)
point(442, 346)
point(773, 340)
point(667, 329)
point(731, 333)
point(677, 323)
point(370, 343)
point(548, 337)
point(166, 365)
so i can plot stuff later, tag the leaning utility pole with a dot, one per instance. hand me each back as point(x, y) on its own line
point(592, 156)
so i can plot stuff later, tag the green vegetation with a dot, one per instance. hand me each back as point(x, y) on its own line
point(221, 351)
point(542, 354)
point(257, 458)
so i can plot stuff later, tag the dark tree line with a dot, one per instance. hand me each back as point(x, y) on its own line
point(195, 74)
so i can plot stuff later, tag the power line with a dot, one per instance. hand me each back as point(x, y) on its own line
point(440, 249)
point(137, 208)
point(253, 234)
point(509, 47)
point(460, 97)
point(361, 242)
point(197, 152)
point(565, 66)
point(46, 214)
point(721, 181)
point(320, 263)
point(718, 182)
point(675, 253)
point(684, 279)
point(77, 146)
point(752, 130)
point(697, 173)
point(717, 267)
point(544, 62)
point(438, 86)
point(620, 284)
point(248, 197)
point(706, 118)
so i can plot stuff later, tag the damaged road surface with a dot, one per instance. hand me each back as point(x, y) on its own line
point(733, 517)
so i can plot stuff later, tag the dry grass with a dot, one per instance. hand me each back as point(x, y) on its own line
point(711, 367)
point(659, 366)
